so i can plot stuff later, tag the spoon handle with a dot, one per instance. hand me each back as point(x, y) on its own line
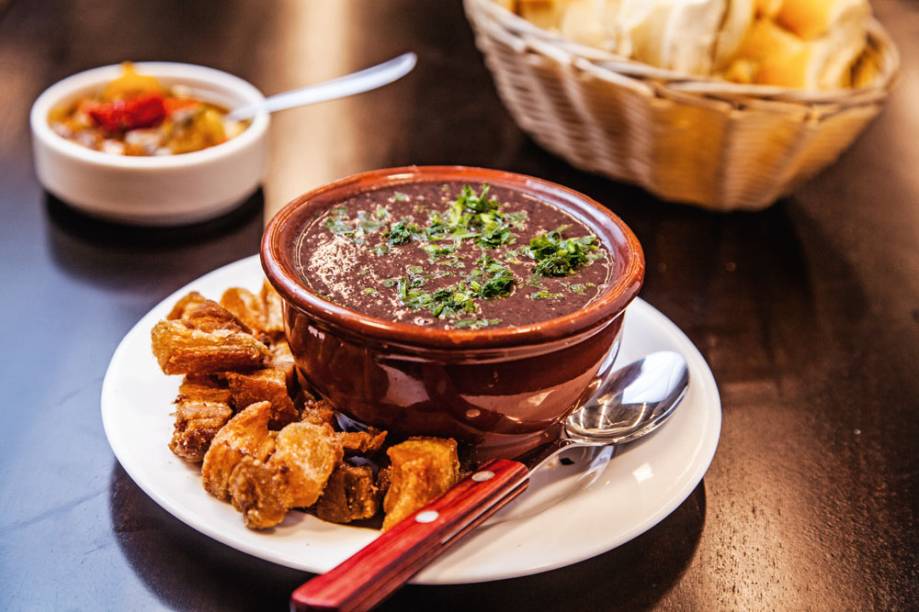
point(370, 575)
point(348, 85)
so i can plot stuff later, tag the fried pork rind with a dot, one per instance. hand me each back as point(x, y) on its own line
point(204, 388)
point(304, 457)
point(187, 300)
point(246, 434)
point(180, 349)
point(362, 442)
point(350, 495)
point(274, 311)
point(245, 306)
point(421, 470)
point(283, 359)
point(200, 336)
point(318, 412)
point(265, 385)
point(306, 454)
point(198, 312)
point(384, 479)
point(197, 423)
point(259, 491)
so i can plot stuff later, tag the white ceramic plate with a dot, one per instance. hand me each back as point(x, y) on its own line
point(543, 530)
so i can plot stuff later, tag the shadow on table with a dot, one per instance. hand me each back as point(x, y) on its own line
point(113, 254)
point(634, 576)
point(184, 569)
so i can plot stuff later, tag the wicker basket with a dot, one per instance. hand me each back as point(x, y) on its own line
point(689, 139)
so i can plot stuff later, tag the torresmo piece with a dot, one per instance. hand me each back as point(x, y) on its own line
point(202, 408)
point(274, 311)
point(265, 473)
point(350, 495)
point(181, 349)
point(196, 424)
point(258, 491)
point(198, 312)
point(268, 384)
point(245, 435)
point(263, 313)
point(306, 454)
point(282, 359)
point(363, 442)
point(318, 412)
point(206, 402)
point(245, 306)
point(295, 475)
point(199, 336)
point(421, 470)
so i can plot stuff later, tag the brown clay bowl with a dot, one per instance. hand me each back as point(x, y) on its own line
point(503, 390)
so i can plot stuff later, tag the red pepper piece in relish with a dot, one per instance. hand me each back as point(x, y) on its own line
point(146, 110)
point(175, 104)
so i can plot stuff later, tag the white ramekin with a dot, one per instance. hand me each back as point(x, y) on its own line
point(163, 190)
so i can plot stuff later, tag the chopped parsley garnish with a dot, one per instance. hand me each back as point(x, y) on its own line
point(369, 291)
point(475, 216)
point(400, 197)
point(475, 323)
point(338, 223)
point(491, 279)
point(436, 251)
point(556, 255)
point(545, 294)
point(357, 228)
point(444, 302)
point(518, 219)
point(495, 232)
point(402, 232)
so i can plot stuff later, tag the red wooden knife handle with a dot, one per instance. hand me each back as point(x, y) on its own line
point(374, 572)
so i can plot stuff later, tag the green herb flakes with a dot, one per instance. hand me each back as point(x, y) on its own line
point(545, 294)
point(556, 255)
point(475, 323)
point(402, 232)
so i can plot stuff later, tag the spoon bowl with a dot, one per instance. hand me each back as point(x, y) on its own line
point(631, 402)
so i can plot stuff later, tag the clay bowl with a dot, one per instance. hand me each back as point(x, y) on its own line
point(503, 391)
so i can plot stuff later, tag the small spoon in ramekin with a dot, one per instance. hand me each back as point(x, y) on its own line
point(341, 87)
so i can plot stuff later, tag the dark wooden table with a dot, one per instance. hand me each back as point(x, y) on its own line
point(808, 314)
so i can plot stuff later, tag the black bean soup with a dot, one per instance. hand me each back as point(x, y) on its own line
point(453, 255)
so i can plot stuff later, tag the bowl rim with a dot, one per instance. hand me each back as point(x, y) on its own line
point(177, 71)
point(611, 303)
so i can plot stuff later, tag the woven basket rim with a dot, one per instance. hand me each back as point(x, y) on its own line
point(605, 63)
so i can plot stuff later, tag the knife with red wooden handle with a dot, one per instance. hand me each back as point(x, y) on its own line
point(374, 572)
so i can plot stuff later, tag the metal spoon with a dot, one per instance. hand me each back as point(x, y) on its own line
point(348, 85)
point(629, 404)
